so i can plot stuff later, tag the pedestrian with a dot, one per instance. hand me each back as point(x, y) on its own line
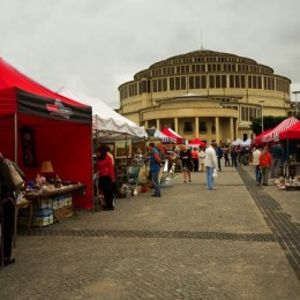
point(155, 164)
point(195, 158)
point(186, 163)
point(265, 162)
point(106, 176)
point(256, 155)
point(201, 160)
point(220, 153)
point(277, 155)
point(211, 164)
point(234, 156)
point(226, 156)
point(8, 193)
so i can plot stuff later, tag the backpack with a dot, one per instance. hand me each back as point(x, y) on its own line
point(15, 175)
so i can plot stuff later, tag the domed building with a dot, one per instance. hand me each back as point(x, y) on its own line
point(206, 94)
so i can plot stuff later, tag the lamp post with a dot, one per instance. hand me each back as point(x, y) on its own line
point(262, 114)
point(296, 101)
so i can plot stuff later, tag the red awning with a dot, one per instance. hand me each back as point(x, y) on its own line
point(197, 142)
point(291, 133)
point(258, 139)
point(172, 134)
point(283, 126)
point(11, 78)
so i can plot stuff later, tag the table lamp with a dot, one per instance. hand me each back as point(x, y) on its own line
point(47, 169)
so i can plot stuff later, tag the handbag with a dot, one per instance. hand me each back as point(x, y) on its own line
point(215, 173)
point(15, 175)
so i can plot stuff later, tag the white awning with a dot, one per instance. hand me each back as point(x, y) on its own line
point(105, 119)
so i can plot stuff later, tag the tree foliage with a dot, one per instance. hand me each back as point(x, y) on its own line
point(269, 122)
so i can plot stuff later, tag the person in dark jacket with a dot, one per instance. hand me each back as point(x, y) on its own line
point(7, 212)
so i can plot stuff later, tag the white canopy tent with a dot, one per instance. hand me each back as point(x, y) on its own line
point(105, 120)
point(237, 142)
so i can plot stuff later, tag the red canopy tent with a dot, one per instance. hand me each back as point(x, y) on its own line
point(37, 124)
point(172, 134)
point(273, 135)
point(291, 133)
point(258, 139)
point(196, 142)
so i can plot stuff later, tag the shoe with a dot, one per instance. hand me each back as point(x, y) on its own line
point(184, 181)
point(8, 261)
point(156, 196)
point(190, 180)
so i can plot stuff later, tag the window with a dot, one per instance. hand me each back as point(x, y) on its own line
point(172, 83)
point(202, 126)
point(211, 81)
point(188, 127)
point(191, 82)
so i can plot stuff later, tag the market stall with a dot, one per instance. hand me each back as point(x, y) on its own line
point(172, 134)
point(196, 142)
point(38, 125)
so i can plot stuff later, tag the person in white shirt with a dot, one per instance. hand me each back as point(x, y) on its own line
point(201, 160)
point(256, 155)
point(211, 163)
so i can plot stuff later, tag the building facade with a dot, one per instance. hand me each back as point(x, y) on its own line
point(206, 94)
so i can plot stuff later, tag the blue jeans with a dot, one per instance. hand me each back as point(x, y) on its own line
point(258, 174)
point(154, 177)
point(210, 179)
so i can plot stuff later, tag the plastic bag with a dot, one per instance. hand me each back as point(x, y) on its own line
point(215, 173)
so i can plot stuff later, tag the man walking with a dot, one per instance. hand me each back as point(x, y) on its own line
point(155, 162)
point(211, 163)
point(256, 155)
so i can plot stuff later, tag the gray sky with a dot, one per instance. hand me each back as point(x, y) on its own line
point(93, 46)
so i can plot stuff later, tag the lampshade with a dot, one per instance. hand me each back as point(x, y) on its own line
point(47, 167)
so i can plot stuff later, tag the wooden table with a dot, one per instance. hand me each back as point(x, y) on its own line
point(67, 189)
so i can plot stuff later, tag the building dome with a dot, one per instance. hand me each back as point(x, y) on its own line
point(205, 93)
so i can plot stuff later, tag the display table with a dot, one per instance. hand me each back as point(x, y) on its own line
point(54, 203)
point(67, 189)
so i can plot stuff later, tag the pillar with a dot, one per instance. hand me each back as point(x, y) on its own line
point(196, 131)
point(176, 124)
point(146, 124)
point(217, 129)
point(158, 124)
point(231, 130)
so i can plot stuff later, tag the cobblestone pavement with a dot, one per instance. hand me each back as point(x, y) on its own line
point(190, 244)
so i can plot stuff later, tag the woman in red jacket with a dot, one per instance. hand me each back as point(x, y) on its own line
point(265, 165)
point(106, 176)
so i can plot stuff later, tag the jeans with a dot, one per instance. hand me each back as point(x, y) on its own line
point(210, 179)
point(155, 181)
point(258, 174)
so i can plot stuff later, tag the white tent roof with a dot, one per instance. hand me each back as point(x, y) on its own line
point(247, 142)
point(105, 119)
point(237, 142)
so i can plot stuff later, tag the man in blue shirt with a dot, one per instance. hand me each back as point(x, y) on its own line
point(155, 162)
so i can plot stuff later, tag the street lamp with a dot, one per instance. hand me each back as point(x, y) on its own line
point(296, 101)
point(262, 114)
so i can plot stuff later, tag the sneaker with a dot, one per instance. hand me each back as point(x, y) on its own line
point(8, 261)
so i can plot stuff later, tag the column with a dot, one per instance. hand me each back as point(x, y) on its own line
point(176, 124)
point(196, 131)
point(236, 128)
point(231, 130)
point(217, 129)
point(146, 124)
point(158, 124)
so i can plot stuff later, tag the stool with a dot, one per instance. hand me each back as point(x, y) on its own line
point(24, 204)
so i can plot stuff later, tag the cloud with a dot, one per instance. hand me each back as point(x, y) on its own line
point(95, 46)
